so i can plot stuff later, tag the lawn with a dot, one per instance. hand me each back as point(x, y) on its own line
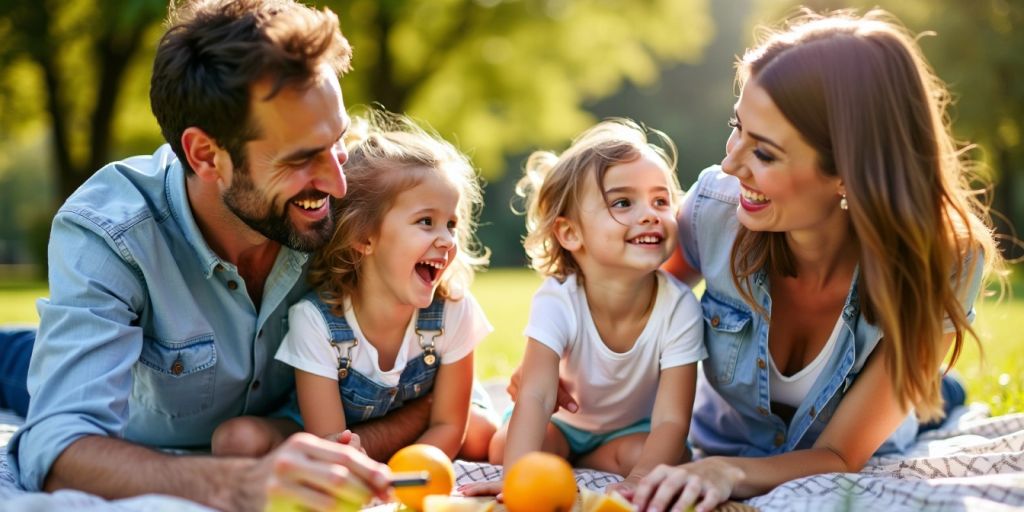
point(997, 379)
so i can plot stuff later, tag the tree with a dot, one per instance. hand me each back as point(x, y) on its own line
point(82, 54)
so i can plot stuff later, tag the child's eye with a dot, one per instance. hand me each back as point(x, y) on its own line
point(763, 156)
point(661, 201)
point(451, 226)
point(621, 203)
point(426, 221)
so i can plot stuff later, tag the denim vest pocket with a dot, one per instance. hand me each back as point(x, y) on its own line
point(728, 327)
point(359, 408)
point(176, 378)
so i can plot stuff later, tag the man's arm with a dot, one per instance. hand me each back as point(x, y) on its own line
point(300, 470)
point(382, 437)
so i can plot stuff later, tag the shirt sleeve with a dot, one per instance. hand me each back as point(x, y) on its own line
point(974, 269)
point(89, 339)
point(684, 342)
point(465, 326)
point(687, 233)
point(307, 345)
point(552, 322)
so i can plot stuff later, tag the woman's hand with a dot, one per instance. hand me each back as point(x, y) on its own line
point(711, 481)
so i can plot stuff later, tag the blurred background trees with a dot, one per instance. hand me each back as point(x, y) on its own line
point(498, 78)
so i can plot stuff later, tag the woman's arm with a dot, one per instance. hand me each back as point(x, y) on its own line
point(527, 427)
point(670, 421)
point(449, 414)
point(866, 417)
point(319, 404)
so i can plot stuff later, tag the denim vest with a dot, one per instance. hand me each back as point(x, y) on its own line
point(364, 399)
point(732, 412)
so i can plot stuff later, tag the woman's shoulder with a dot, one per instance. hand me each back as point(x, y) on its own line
point(714, 183)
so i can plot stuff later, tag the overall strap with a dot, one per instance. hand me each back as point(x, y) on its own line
point(343, 338)
point(430, 320)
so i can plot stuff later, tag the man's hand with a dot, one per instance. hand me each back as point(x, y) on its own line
point(309, 471)
point(563, 400)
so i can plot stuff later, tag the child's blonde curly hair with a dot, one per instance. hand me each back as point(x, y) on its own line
point(389, 154)
point(552, 185)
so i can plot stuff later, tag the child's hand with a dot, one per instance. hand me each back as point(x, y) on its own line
point(627, 488)
point(492, 488)
point(347, 437)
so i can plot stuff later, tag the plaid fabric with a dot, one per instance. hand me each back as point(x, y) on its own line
point(974, 463)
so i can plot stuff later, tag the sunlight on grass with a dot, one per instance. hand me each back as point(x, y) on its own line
point(505, 296)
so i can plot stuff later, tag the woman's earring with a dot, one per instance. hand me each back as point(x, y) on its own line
point(843, 204)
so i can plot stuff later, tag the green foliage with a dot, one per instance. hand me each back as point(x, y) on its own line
point(502, 77)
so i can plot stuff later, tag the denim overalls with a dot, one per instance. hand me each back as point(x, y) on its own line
point(732, 413)
point(364, 399)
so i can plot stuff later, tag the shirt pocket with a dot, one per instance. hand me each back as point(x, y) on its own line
point(176, 378)
point(727, 328)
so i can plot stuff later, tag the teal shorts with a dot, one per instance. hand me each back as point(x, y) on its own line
point(581, 441)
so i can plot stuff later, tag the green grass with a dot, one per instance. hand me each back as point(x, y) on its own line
point(505, 294)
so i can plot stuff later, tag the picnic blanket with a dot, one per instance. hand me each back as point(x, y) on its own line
point(974, 462)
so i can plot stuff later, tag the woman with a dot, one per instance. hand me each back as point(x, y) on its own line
point(841, 207)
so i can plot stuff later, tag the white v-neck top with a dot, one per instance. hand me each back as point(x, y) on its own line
point(793, 389)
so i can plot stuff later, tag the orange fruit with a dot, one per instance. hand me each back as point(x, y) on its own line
point(437, 503)
point(594, 501)
point(539, 482)
point(423, 457)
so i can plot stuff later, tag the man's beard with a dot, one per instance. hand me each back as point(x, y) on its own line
point(254, 208)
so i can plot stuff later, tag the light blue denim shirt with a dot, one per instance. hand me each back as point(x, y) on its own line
point(732, 413)
point(148, 335)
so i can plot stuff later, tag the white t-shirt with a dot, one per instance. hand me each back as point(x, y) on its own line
point(307, 345)
point(613, 389)
point(793, 389)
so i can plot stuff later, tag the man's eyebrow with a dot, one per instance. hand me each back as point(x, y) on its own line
point(756, 136)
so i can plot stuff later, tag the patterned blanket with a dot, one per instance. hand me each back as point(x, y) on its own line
point(973, 463)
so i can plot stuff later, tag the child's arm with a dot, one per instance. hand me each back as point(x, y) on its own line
point(532, 411)
point(319, 403)
point(670, 423)
point(449, 413)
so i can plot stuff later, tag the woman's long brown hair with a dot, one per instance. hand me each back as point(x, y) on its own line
point(861, 94)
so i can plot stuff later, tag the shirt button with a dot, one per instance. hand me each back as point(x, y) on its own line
point(233, 285)
point(761, 364)
point(779, 439)
point(762, 411)
point(219, 268)
point(813, 412)
point(255, 385)
point(177, 367)
point(393, 391)
point(715, 321)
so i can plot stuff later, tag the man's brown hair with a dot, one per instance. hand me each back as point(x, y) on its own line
point(214, 50)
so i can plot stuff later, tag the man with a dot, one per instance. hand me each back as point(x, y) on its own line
point(171, 274)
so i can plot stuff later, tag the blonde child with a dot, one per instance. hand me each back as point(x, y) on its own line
point(391, 317)
point(624, 336)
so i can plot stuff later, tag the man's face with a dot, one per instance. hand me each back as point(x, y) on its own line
point(294, 165)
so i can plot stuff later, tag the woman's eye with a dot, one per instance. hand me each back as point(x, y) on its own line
point(763, 156)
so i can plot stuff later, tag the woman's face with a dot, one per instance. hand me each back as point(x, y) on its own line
point(783, 189)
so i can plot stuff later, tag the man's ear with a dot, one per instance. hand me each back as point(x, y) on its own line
point(205, 157)
point(568, 234)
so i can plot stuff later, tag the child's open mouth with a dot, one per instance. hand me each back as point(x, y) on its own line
point(429, 270)
point(647, 239)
